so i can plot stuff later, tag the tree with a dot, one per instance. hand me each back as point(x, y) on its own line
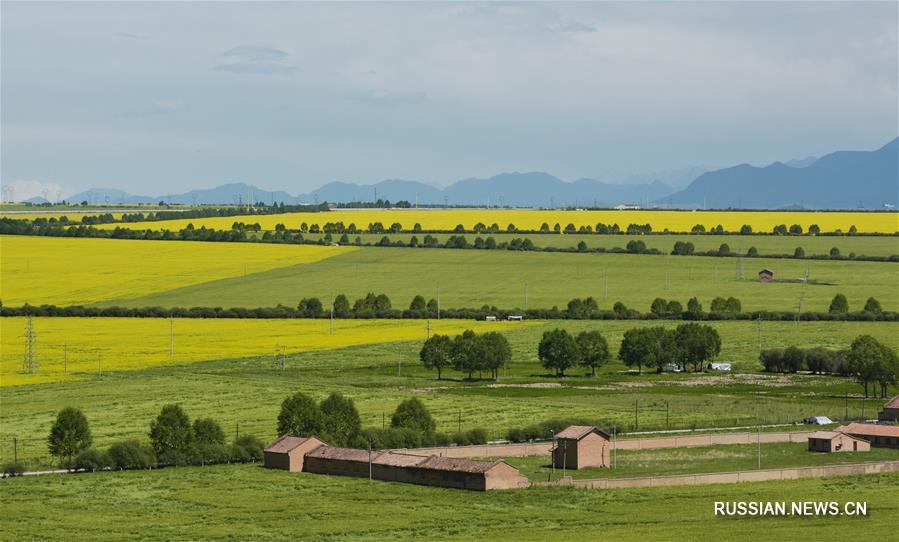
point(465, 354)
point(834, 252)
point(772, 360)
point(733, 305)
point(658, 306)
point(795, 229)
point(694, 308)
point(310, 307)
point(839, 305)
point(341, 306)
point(557, 350)
point(674, 308)
point(793, 359)
point(171, 435)
point(494, 351)
point(745, 229)
point(697, 344)
point(799, 252)
point(418, 304)
point(299, 416)
point(872, 305)
point(69, 434)
point(719, 304)
point(871, 361)
point(651, 346)
point(437, 353)
point(433, 306)
point(752, 252)
point(207, 431)
point(593, 350)
point(814, 229)
point(340, 420)
point(820, 360)
point(412, 414)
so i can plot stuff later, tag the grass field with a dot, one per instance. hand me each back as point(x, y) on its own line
point(77, 348)
point(248, 391)
point(729, 458)
point(202, 503)
point(525, 219)
point(69, 271)
point(766, 244)
point(470, 278)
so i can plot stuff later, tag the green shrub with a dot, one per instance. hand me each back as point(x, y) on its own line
point(91, 460)
point(461, 439)
point(251, 447)
point(14, 469)
point(477, 435)
point(131, 454)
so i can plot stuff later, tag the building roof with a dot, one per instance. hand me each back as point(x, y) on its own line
point(768, 271)
point(825, 435)
point(457, 464)
point(343, 454)
point(577, 432)
point(870, 429)
point(287, 443)
point(894, 403)
point(396, 459)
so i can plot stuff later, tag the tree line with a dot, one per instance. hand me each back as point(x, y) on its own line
point(248, 233)
point(869, 361)
point(174, 440)
point(379, 306)
point(336, 421)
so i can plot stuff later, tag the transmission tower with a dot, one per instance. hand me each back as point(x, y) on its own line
point(29, 362)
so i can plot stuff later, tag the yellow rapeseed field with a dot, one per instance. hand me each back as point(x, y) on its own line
point(72, 271)
point(78, 348)
point(437, 219)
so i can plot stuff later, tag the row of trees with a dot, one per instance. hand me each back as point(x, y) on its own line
point(869, 361)
point(336, 421)
point(174, 440)
point(250, 233)
point(468, 353)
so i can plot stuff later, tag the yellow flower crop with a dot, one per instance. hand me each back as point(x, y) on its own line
point(77, 348)
point(437, 219)
point(72, 271)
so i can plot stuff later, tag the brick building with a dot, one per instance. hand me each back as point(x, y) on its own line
point(288, 452)
point(878, 434)
point(581, 447)
point(835, 441)
point(890, 412)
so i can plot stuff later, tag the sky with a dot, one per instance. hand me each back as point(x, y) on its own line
point(157, 98)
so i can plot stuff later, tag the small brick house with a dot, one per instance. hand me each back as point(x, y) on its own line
point(289, 452)
point(766, 275)
point(835, 441)
point(878, 434)
point(890, 412)
point(581, 447)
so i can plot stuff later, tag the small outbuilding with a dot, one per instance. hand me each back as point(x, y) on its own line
point(288, 452)
point(835, 441)
point(766, 275)
point(890, 412)
point(581, 447)
point(878, 434)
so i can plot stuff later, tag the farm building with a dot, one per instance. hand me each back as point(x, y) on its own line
point(879, 435)
point(581, 447)
point(834, 441)
point(288, 452)
point(890, 412)
point(766, 275)
point(408, 468)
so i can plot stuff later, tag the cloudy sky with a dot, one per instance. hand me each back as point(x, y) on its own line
point(155, 98)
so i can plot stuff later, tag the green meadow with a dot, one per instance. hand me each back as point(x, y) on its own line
point(245, 394)
point(238, 502)
point(473, 278)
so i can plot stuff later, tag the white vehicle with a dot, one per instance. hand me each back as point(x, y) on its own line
point(719, 366)
point(818, 420)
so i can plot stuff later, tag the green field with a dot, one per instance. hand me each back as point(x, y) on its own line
point(470, 278)
point(729, 458)
point(249, 391)
point(766, 244)
point(250, 502)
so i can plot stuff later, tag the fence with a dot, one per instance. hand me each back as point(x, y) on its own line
point(855, 469)
point(543, 448)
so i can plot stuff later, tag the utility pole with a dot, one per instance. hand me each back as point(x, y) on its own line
point(667, 419)
point(369, 453)
point(438, 302)
point(759, 320)
point(636, 416)
point(15, 450)
point(236, 430)
point(759, 446)
point(564, 456)
point(846, 412)
point(429, 328)
point(29, 361)
point(614, 446)
point(460, 421)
